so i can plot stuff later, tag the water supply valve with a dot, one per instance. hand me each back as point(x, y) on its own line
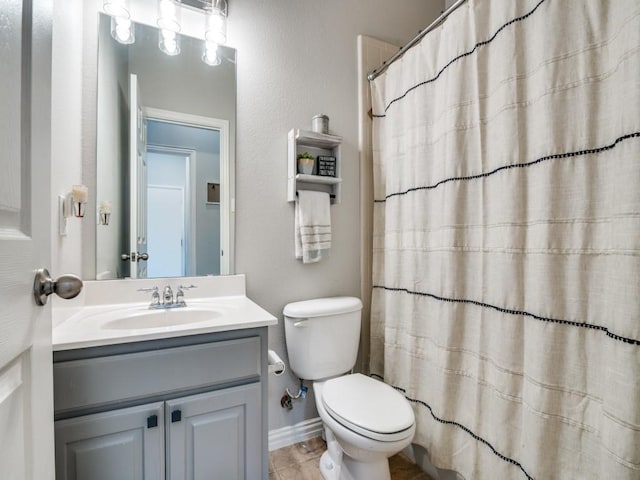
point(285, 402)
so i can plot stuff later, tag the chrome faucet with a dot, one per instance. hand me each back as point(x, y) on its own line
point(167, 297)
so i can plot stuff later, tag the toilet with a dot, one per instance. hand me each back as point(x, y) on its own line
point(365, 420)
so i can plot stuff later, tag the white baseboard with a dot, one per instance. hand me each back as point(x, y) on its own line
point(285, 436)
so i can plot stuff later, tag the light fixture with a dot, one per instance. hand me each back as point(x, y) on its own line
point(169, 25)
point(72, 204)
point(79, 197)
point(121, 24)
point(104, 212)
point(215, 32)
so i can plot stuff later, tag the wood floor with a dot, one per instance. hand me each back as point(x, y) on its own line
point(301, 462)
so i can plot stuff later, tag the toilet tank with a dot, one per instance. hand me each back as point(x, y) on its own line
point(322, 336)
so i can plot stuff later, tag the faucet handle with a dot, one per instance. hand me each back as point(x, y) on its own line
point(180, 297)
point(155, 295)
point(180, 293)
point(150, 289)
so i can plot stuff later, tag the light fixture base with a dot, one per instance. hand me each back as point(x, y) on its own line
point(64, 212)
point(207, 5)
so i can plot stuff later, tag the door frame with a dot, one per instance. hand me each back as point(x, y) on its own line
point(190, 197)
point(225, 170)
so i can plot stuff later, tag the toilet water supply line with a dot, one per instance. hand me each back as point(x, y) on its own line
point(285, 401)
point(302, 392)
point(277, 367)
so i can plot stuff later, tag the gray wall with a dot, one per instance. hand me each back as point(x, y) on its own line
point(113, 155)
point(295, 60)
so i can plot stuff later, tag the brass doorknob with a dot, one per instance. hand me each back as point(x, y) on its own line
point(66, 286)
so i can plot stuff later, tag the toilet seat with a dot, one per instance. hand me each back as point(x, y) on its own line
point(368, 407)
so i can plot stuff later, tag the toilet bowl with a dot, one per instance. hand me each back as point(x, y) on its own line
point(368, 420)
point(365, 421)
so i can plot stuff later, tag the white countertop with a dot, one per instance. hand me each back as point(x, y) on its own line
point(87, 322)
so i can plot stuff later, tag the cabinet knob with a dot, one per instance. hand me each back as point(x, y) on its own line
point(176, 416)
point(152, 421)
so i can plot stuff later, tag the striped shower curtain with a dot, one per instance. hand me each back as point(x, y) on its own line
point(506, 298)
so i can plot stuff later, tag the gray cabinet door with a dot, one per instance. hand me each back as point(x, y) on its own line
point(216, 435)
point(125, 444)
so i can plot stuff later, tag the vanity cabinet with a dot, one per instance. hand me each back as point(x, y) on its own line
point(118, 444)
point(214, 432)
point(178, 409)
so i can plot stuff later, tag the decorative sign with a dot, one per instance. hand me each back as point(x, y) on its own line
point(213, 193)
point(326, 166)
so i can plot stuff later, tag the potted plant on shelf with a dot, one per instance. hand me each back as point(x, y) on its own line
point(305, 163)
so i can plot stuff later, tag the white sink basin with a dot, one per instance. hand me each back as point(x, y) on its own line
point(108, 324)
point(141, 317)
point(159, 318)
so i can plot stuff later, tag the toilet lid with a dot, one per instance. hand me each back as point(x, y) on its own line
point(367, 406)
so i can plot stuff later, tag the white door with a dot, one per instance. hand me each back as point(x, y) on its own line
point(166, 231)
point(138, 181)
point(26, 383)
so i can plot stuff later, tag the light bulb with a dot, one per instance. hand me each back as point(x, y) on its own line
point(169, 15)
point(122, 30)
point(215, 29)
point(116, 8)
point(169, 42)
point(211, 55)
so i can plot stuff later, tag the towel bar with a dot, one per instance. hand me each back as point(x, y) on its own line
point(330, 195)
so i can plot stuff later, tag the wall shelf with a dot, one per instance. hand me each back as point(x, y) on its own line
point(300, 141)
point(300, 177)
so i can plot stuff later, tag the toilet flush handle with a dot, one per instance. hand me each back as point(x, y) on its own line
point(300, 323)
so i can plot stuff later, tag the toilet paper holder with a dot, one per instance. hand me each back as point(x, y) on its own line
point(276, 364)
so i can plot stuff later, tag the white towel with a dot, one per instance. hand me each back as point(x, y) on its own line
point(312, 226)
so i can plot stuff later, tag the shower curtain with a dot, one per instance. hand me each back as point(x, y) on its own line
point(506, 298)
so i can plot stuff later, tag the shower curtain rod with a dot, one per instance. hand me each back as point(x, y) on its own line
point(372, 75)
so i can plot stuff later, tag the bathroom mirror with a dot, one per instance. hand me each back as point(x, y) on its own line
point(165, 158)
